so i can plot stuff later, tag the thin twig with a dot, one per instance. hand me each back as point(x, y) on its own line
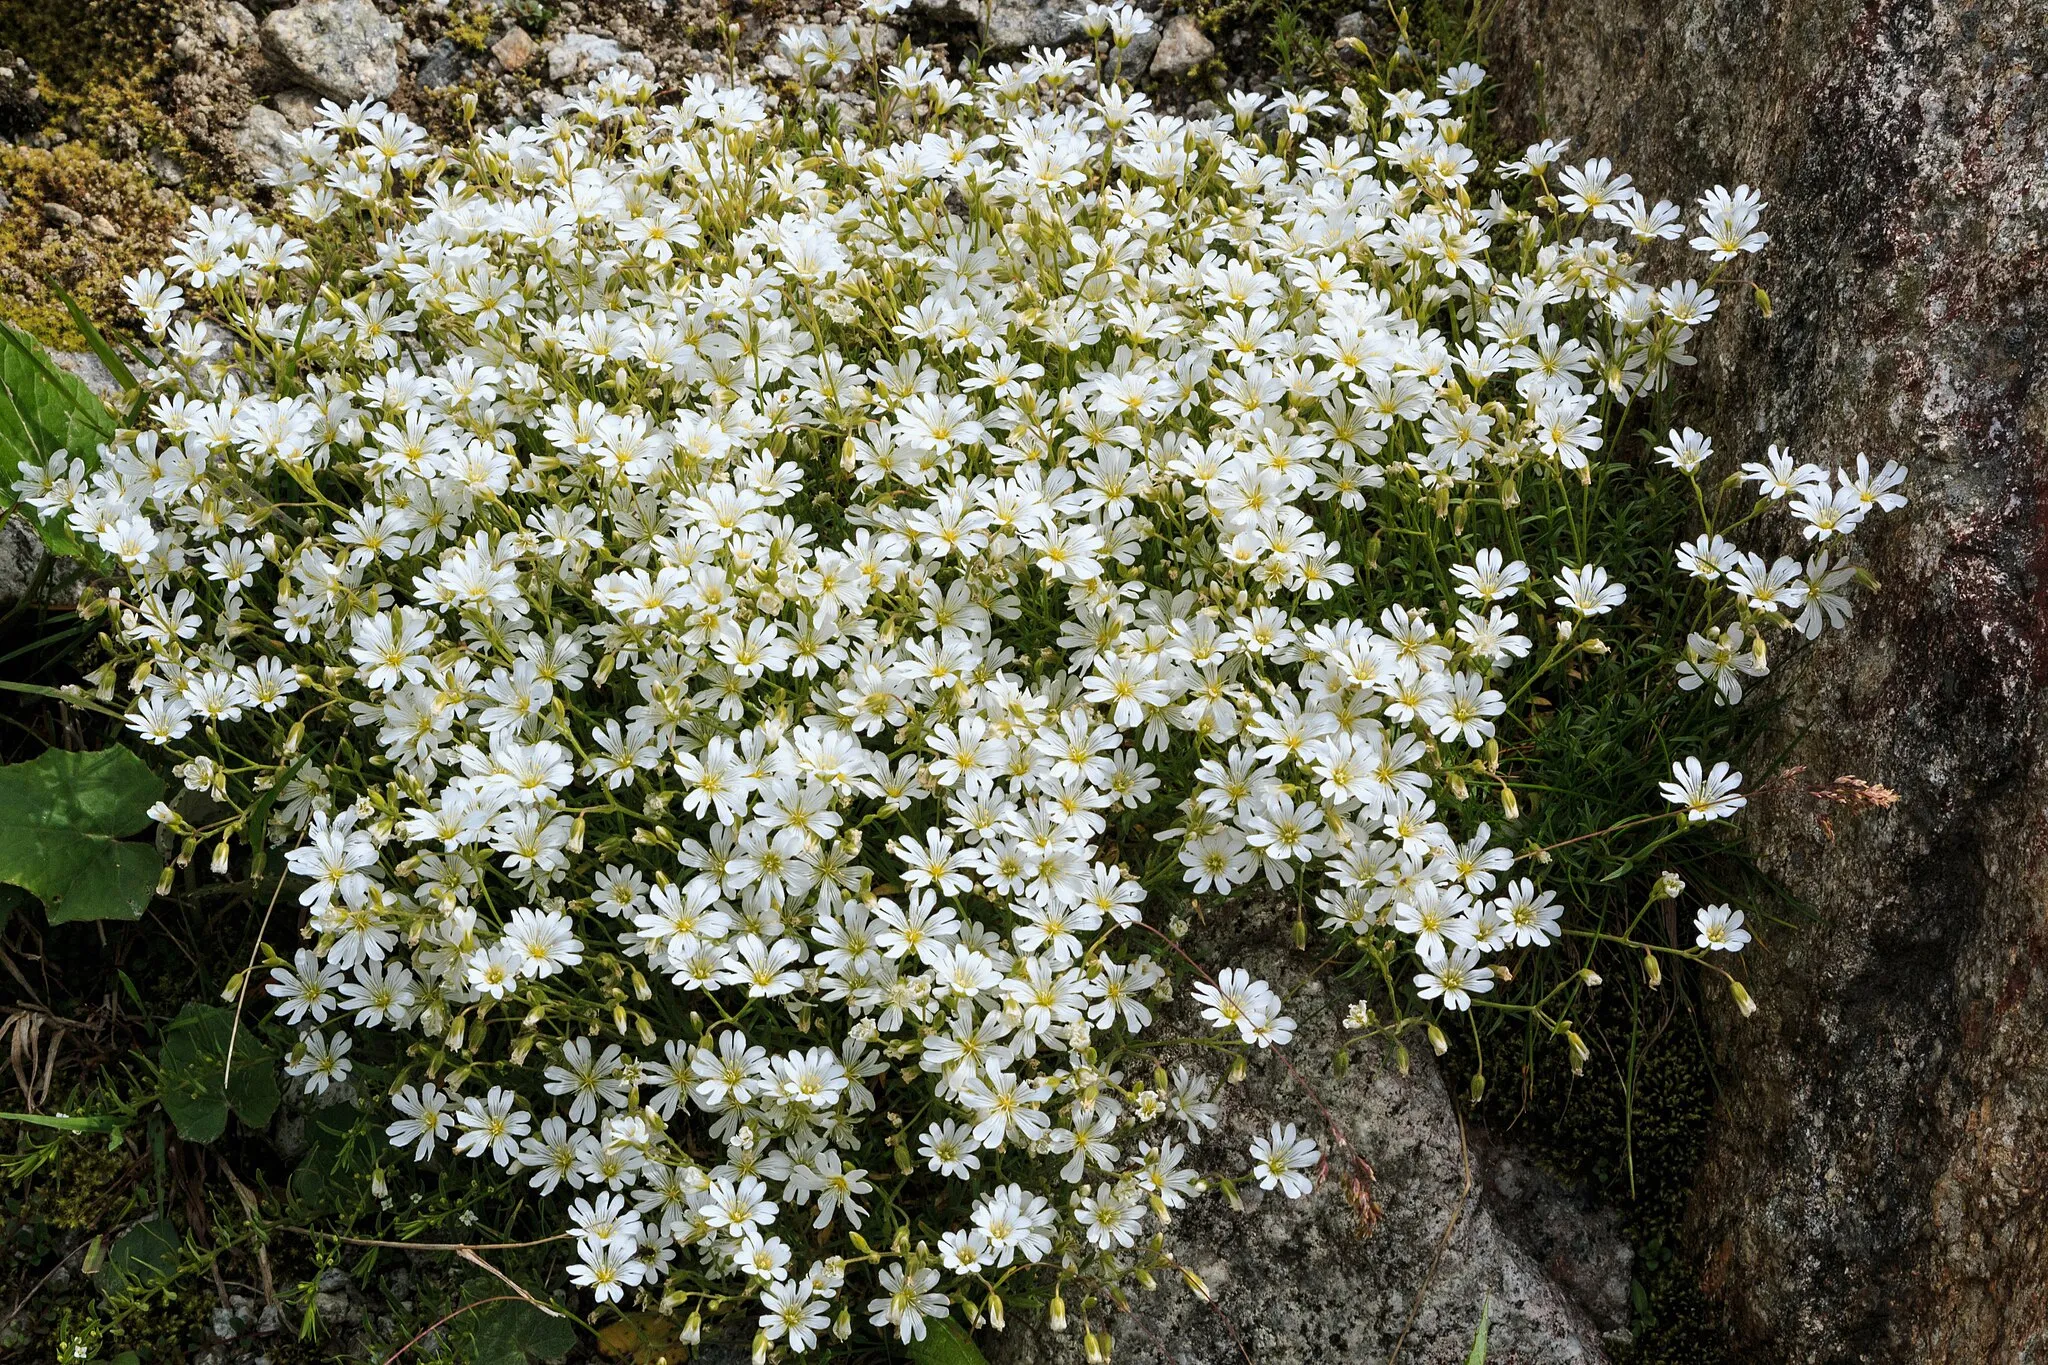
point(433, 1327)
point(227, 1069)
point(425, 1246)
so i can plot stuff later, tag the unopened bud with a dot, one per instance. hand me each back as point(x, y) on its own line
point(1579, 1051)
point(1742, 1001)
point(1510, 808)
point(1300, 930)
point(1652, 969)
point(1197, 1284)
point(1056, 1313)
point(1438, 1041)
point(995, 1310)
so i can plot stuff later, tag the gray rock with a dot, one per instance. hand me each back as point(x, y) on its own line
point(1009, 25)
point(1578, 1243)
point(1351, 25)
point(232, 26)
point(89, 370)
point(1296, 1282)
point(301, 108)
point(1872, 1188)
point(262, 143)
point(62, 216)
point(345, 49)
point(579, 56)
point(1182, 48)
point(444, 65)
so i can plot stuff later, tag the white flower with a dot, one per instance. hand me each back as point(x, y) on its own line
point(1706, 795)
point(1720, 928)
point(1587, 591)
point(1280, 1159)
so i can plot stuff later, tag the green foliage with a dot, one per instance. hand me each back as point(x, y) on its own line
point(1477, 1355)
point(202, 1082)
point(945, 1343)
point(66, 827)
point(515, 1333)
point(44, 409)
point(142, 1258)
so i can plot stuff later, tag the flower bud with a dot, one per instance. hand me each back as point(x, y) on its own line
point(1438, 1041)
point(1652, 969)
point(1743, 1003)
point(1056, 1313)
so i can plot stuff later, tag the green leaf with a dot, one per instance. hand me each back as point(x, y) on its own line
point(142, 1258)
point(72, 1123)
point(94, 340)
point(515, 1333)
point(1477, 1356)
point(945, 1343)
point(257, 828)
point(199, 1086)
point(65, 822)
point(44, 409)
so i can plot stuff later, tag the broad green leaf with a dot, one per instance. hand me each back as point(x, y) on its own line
point(66, 821)
point(44, 409)
point(200, 1088)
point(516, 1333)
point(142, 1258)
point(945, 1342)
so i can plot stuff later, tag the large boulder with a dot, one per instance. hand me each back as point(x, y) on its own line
point(345, 49)
point(1873, 1187)
point(1307, 1282)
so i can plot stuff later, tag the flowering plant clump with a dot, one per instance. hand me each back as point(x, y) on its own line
point(756, 631)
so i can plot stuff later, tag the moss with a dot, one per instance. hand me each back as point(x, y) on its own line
point(1633, 1130)
point(470, 28)
point(33, 252)
point(103, 64)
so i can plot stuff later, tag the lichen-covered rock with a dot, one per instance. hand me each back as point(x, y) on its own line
point(1873, 1191)
point(346, 49)
point(1302, 1282)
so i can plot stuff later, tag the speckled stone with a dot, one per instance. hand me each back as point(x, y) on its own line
point(1873, 1188)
